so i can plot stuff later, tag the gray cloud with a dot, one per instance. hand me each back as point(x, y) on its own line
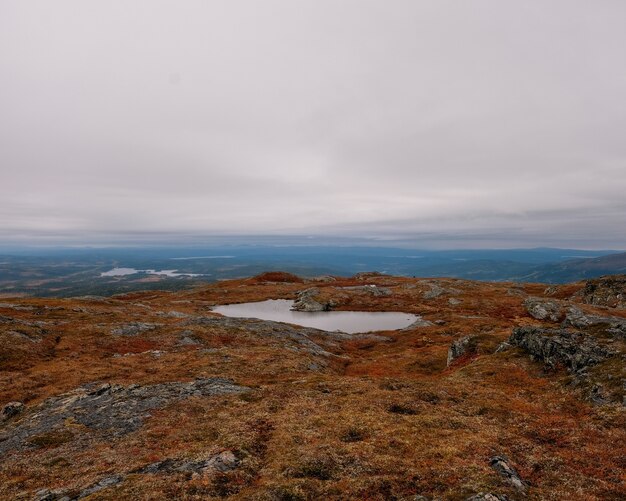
point(447, 123)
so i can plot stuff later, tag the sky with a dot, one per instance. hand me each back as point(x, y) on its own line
point(452, 124)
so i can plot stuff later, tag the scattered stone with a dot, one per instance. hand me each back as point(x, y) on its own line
point(97, 299)
point(460, 347)
point(17, 307)
point(113, 409)
point(324, 278)
point(364, 275)
point(454, 301)
point(503, 346)
point(102, 484)
point(188, 339)
point(10, 410)
point(371, 289)
point(482, 496)
point(551, 291)
point(419, 322)
point(134, 328)
point(501, 465)
point(598, 394)
point(173, 314)
point(543, 309)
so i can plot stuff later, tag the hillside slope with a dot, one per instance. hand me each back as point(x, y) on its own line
point(577, 269)
point(514, 391)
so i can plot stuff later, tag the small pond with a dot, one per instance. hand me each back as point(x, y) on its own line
point(279, 310)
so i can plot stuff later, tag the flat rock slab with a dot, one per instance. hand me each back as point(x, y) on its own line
point(116, 409)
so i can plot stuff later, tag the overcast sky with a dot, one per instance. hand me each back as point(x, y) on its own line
point(452, 123)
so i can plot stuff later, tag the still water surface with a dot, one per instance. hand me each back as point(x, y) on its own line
point(279, 310)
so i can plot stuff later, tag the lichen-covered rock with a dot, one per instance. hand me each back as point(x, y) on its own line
point(614, 326)
point(222, 462)
point(501, 465)
point(607, 291)
point(543, 309)
point(560, 347)
point(306, 301)
point(114, 409)
point(487, 496)
point(134, 328)
point(10, 410)
point(460, 347)
point(51, 495)
point(434, 292)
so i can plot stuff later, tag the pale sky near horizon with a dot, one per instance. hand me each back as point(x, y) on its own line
point(477, 123)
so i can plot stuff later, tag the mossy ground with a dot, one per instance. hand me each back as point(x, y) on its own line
point(377, 420)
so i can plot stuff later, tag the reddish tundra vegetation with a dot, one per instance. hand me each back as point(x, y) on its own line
point(501, 391)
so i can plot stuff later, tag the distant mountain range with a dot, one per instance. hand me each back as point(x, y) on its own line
point(577, 269)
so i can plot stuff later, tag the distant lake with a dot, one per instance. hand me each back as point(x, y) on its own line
point(201, 257)
point(279, 310)
point(120, 272)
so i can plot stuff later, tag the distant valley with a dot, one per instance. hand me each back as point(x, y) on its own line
point(76, 272)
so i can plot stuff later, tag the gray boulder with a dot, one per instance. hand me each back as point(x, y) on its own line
point(306, 301)
point(543, 309)
point(460, 347)
point(10, 410)
point(501, 465)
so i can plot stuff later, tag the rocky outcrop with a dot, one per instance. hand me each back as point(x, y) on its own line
point(544, 309)
point(298, 336)
point(560, 347)
point(222, 462)
point(306, 301)
point(113, 409)
point(437, 290)
point(133, 328)
point(502, 466)
point(372, 290)
point(460, 347)
point(614, 326)
point(434, 292)
point(607, 291)
point(217, 463)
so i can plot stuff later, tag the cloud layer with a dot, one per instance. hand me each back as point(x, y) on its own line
point(465, 123)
